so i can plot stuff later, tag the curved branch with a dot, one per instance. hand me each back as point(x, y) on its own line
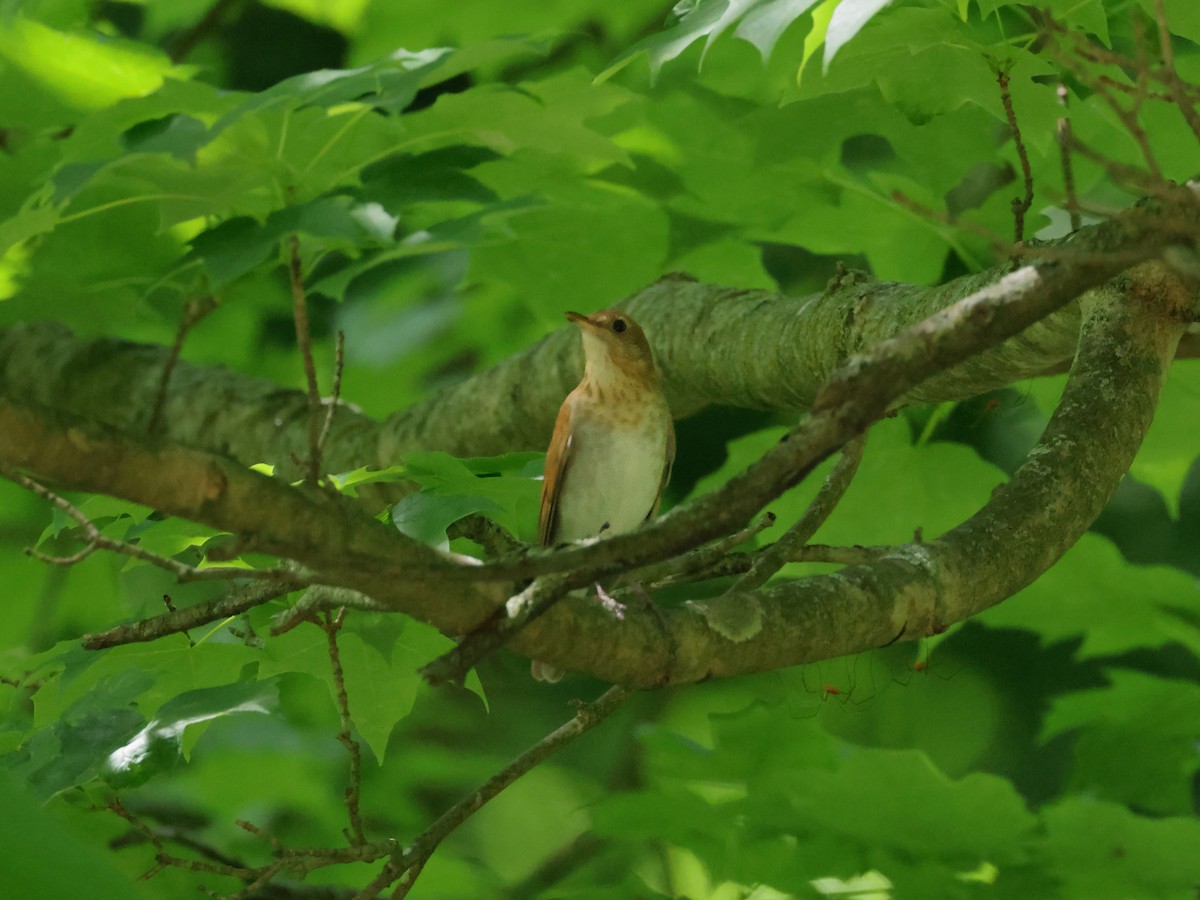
point(1126, 344)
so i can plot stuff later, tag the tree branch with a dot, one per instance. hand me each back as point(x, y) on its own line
point(919, 589)
point(716, 345)
point(345, 548)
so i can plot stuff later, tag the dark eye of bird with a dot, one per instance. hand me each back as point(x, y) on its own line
point(619, 325)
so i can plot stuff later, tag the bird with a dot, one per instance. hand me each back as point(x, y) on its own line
point(613, 444)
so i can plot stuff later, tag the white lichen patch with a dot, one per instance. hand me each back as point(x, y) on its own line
point(736, 619)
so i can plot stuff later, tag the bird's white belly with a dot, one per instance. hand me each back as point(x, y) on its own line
point(613, 480)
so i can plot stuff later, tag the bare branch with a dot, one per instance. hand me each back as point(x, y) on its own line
point(182, 620)
point(323, 598)
point(586, 717)
point(698, 564)
point(499, 628)
point(331, 625)
point(1065, 141)
point(1020, 205)
point(772, 558)
point(1182, 94)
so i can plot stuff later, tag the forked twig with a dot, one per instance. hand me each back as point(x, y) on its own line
point(1020, 205)
point(773, 557)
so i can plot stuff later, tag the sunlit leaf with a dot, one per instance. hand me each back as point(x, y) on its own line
point(848, 19)
point(159, 745)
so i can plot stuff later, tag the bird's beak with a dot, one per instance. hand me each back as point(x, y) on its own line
point(579, 319)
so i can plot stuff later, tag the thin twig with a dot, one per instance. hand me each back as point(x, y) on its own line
point(304, 340)
point(684, 569)
point(322, 598)
point(331, 625)
point(339, 363)
point(408, 879)
point(521, 609)
point(1083, 49)
point(95, 540)
point(1000, 245)
point(163, 858)
point(587, 717)
point(381, 882)
point(1176, 87)
point(1020, 205)
point(232, 604)
point(266, 875)
point(258, 833)
point(738, 563)
point(772, 558)
point(1128, 176)
point(1065, 141)
point(194, 310)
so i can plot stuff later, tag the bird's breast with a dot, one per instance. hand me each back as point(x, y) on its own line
point(615, 475)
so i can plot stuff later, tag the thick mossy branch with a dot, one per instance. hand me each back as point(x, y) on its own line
point(715, 345)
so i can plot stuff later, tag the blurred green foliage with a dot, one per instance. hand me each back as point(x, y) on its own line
point(459, 174)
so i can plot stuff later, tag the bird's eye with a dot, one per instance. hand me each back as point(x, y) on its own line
point(619, 325)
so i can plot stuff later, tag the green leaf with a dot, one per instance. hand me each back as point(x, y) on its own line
point(848, 20)
point(899, 487)
point(766, 23)
point(73, 750)
point(389, 84)
point(927, 814)
point(1138, 717)
point(81, 71)
point(234, 248)
point(1099, 849)
point(97, 509)
point(426, 515)
point(382, 684)
point(505, 121)
point(348, 482)
point(380, 693)
point(160, 744)
point(506, 489)
point(759, 22)
point(44, 860)
point(479, 228)
point(167, 537)
point(1115, 606)
point(566, 249)
point(165, 668)
point(1183, 17)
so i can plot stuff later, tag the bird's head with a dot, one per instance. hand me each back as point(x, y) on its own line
point(614, 345)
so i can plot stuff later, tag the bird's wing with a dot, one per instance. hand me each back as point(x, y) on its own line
point(558, 458)
point(666, 475)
